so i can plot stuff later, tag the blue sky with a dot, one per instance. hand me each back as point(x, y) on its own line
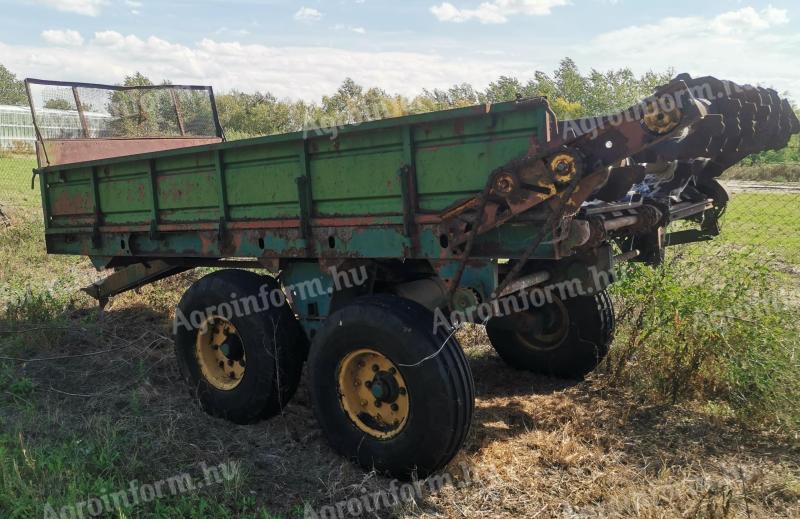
point(304, 49)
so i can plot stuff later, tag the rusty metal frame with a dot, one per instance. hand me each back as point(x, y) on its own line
point(75, 85)
point(66, 151)
point(178, 113)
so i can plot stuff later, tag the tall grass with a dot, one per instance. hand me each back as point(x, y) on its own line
point(727, 338)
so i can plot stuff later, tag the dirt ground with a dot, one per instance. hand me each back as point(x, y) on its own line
point(112, 400)
point(538, 447)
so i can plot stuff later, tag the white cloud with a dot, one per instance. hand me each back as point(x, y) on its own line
point(748, 20)
point(675, 33)
point(495, 11)
point(486, 13)
point(84, 7)
point(294, 72)
point(351, 28)
point(135, 6)
point(766, 56)
point(62, 37)
point(745, 45)
point(234, 32)
point(307, 14)
point(115, 39)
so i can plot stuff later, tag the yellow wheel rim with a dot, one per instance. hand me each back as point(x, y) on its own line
point(220, 353)
point(373, 393)
point(554, 327)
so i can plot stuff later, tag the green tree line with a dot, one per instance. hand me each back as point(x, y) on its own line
point(572, 94)
point(12, 90)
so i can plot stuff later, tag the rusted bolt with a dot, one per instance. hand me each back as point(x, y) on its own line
point(563, 166)
point(375, 367)
point(395, 407)
point(403, 391)
point(504, 184)
point(378, 403)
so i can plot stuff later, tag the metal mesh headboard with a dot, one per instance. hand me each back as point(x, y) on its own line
point(64, 110)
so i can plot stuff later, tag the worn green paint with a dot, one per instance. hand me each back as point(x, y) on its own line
point(354, 177)
point(311, 288)
point(379, 242)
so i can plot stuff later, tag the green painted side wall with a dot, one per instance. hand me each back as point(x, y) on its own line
point(355, 175)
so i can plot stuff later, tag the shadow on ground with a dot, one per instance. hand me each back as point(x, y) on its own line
point(537, 445)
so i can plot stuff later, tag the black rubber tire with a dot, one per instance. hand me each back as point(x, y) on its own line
point(441, 390)
point(272, 340)
point(584, 345)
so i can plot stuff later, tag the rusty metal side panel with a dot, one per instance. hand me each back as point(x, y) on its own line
point(386, 241)
point(209, 201)
point(73, 151)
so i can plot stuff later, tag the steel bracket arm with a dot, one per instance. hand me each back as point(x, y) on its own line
point(574, 164)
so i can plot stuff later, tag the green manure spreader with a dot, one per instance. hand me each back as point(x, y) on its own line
point(374, 240)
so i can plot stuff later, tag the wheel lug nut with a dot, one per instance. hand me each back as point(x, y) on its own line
point(242, 363)
point(364, 403)
point(357, 383)
point(392, 371)
point(395, 407)
point(402, 391)
point(230, 363)
point(368, 383)
point(221, 364)
point(377, 403)
point(375, 367)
